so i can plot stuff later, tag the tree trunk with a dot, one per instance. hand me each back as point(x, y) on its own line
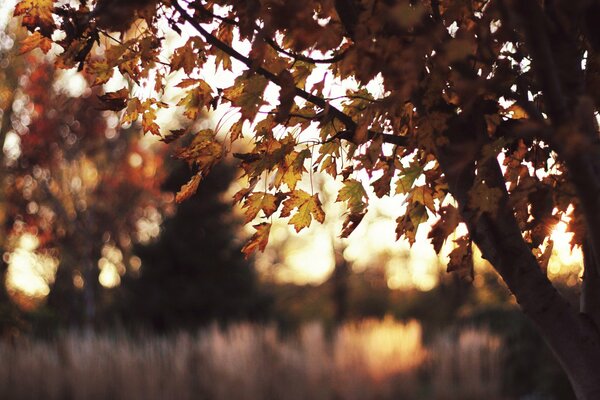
point(590, 287)
point(341, 273)
point(571, 336)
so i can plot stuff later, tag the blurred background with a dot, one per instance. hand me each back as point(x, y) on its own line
point(108, 289)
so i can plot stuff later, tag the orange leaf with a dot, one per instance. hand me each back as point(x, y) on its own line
point(148, 123)
point(36, 13)
point(188, 189)
point(259, 240)
point(34, 41)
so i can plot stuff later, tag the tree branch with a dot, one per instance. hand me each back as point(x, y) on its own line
point(316, 100)
point(277, 47)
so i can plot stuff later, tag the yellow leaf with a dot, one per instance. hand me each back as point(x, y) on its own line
point(354, 194)
point(34, 41)
point(188, 189)
point(258, 201)
point(308, 206)
point(196, 98)
point(291, 169)
point(201, 153)
point(259, 240)
point(408, 177)
point(223, 59)
point(134, 108)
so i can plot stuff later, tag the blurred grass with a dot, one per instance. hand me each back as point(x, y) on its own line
point(373, 359)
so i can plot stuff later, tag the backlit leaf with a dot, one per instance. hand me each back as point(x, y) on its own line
point(484, 198)
point(354, 194)
point(259, 240)
point(247, 94)
point(258, 201)
point(188, 189)
point(308, 207)
point(408, 176)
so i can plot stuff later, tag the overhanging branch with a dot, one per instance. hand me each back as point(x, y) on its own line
point(316, 100)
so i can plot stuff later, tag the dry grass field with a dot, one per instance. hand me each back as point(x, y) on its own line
point(367, 360)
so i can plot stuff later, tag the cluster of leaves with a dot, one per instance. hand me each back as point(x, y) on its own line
point(443, 67)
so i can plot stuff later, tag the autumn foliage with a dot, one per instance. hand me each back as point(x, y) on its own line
point(480, 112)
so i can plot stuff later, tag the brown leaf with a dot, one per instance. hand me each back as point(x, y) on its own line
point(287, 93)
point(351, 223)
point(461, 258)
point(444, 227)
point(114, 101)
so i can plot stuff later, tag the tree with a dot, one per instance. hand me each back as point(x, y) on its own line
point(194, 273)
point(446, 92)
point(76, 182)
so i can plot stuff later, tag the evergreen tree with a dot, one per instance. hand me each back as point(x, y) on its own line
point(194, 273)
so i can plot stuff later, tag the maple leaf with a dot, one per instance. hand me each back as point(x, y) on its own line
point(301, 72)
point(148, 124)
point(114, 101)
point(461, 258)
point(235, 132)
point(35, 41)
point(484, 199)
point(203, 152)
point(351, 223)
point(196, 99)
point(247, 93)
point(449, 219)
point(354, 194)
point(102, 70)
point(258, 201)
point(408, 176)
point(134, 108)
point(36, 14)
point(423, 195)
point(291, 169)
point(329, 165)
point(308, 206)
point(185, 57)
point(259, 240)
point(408, 224)
point(382, 185)
point(188, 189)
